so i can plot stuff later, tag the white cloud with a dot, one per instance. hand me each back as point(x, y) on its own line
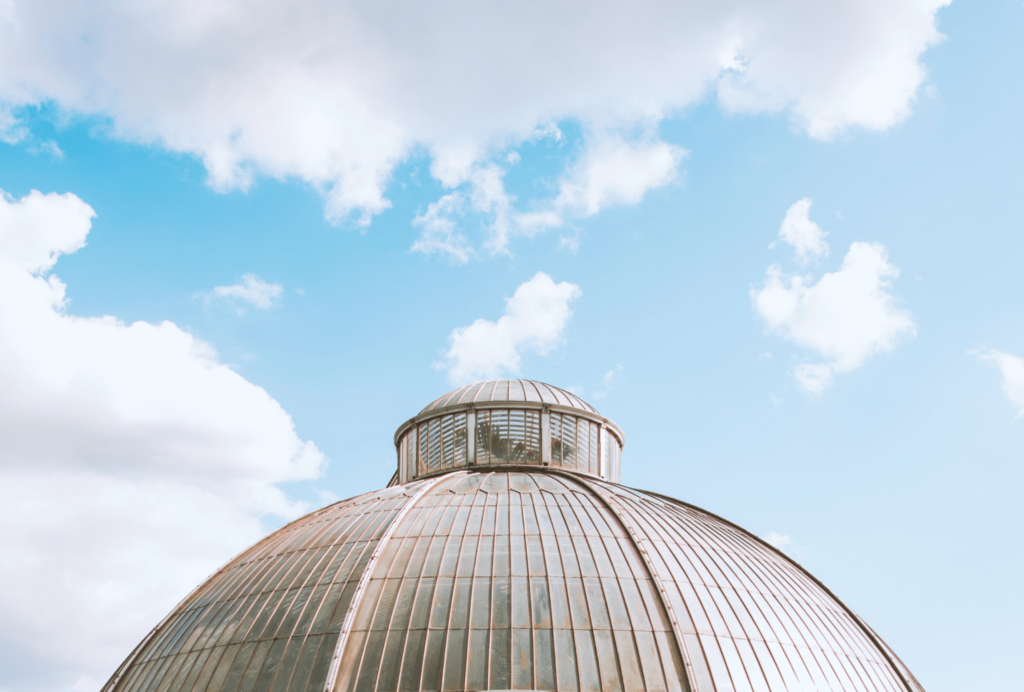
point(845, 317)
point(11, 130)
point(613, 170)
point(48, 147)
point(339, 94)
point(804, 235)
point(440, 233)
point(121, 445)
point(535, 317)
point(1012, 369)
point(252, 290)
point(610, 170)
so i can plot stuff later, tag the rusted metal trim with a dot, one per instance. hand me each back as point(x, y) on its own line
point(612, 506)
point(364, 580)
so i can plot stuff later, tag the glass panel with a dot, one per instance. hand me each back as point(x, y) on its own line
point(736, 591)
point(447, 442)
point(583, 445)
point(436, 445)
point(502, 616)
point(491, 436)
point(460, 438)
point(569, 442)
point(284, 587)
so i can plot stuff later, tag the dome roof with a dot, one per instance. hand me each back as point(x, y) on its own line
point(490, 565)
point(512, 579)
point(509, 390)
point(508, 422)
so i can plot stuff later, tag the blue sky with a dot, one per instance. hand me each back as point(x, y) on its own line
point(897, 484)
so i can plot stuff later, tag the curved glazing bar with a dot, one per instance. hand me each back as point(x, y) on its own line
point(510, 580)
point(269, 621)
point(750, 618)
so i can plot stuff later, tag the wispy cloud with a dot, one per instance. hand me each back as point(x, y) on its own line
point(1012, 369)
point(48, 147)
point(608, 380)
point(784, 543)
point(252, 290)
point(612, 169)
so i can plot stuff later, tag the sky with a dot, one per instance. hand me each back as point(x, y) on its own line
point(779, 243)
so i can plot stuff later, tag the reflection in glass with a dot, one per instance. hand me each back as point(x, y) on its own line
point(508, 437)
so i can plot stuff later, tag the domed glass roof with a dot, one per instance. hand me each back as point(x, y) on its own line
point(508, 422)
point(513, 576)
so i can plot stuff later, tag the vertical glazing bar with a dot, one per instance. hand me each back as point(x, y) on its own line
point(401, 460)
point(545, 436)
point(471, 436)
point(414, 451)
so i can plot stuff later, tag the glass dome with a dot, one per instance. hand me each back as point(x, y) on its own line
point(512, 422)
point(511, 574)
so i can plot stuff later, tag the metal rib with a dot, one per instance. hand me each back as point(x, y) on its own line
point(123, 668)
point(609, 502)
point(364, 580)
point(870, 633)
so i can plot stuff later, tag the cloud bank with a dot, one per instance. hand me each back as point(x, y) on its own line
point(535, 317)
point(845, 317)
point(121, 445)
point(339, 94)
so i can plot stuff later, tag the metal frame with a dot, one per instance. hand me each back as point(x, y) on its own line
point(111, 684)
point(868, 632)
point(472, 408)
point(617, 511)
point(364, 580)
point(655, 524)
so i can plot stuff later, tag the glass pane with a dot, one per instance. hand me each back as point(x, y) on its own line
point(501, 601)
point(270, 597)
